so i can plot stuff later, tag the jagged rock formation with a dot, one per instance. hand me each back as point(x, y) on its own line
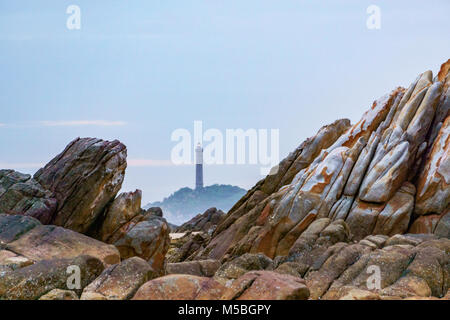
point(206, 222)
point(84, 178)
point(364, 174)
point(77, 190)
point(356, 212)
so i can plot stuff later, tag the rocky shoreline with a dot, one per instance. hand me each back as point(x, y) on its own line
point(358, 211)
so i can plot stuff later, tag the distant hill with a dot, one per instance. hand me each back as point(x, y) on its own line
point(186, 203)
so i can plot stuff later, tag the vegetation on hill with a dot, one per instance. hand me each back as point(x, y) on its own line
point(185, 203)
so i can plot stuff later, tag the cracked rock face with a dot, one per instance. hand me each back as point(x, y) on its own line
point(84, 178)
point(377, 175)
point(21, 194)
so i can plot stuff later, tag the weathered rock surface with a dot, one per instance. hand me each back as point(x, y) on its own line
point(20, 194)
point(206, 222)
point(120, 281)
point(28, 238)
point(185, 247)
point(145, 236)
point(32, 282)
point(84, 178)
point(123, 209)
point(201, 268)
point(180, 287)
point(58, 294)
point(333, 266)
point(241, 265)
point(377, 175)
point(267, 285)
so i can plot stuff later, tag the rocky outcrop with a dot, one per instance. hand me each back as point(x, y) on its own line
point(21, 194)
point(364, 174)
point(32, 282)
point(206, 222)
point(84, 178)
point(333, 266)
point(27, 238)
point(120, 281)
point(77, 189)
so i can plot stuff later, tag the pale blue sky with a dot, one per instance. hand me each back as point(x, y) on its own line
point(151, 67)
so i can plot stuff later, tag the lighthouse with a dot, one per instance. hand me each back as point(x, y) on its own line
point(198, 167)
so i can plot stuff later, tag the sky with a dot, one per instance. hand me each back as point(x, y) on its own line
point(138, 70)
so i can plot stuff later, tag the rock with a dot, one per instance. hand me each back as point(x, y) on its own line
point(123, 209)
point(267, 285)
point(120, 281)
point(433, 186)
point(205, 222)
point(58, 294)
point(180, 287)
point(32, 282)
point(244, 214)
point(145, 236)
point(184, 246)
point(358, 294)
point(241, 265)
point(292, 268)
point(157, 211)
point(20, 194)
point(365, 174)
point(84, 178)
point(27, 237)
point(201, 268)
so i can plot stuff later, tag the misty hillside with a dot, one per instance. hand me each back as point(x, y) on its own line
point(185, 203)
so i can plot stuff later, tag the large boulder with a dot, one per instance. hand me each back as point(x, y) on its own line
point(120, 281)
point(27, 237)
point(83, 179)
point(125, 207)
point(145, 236)
point(180, 287)
point(32, 282)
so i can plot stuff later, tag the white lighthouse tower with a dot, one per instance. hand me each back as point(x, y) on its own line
point(198, 167)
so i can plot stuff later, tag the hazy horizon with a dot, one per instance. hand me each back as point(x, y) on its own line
point(137, 71)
